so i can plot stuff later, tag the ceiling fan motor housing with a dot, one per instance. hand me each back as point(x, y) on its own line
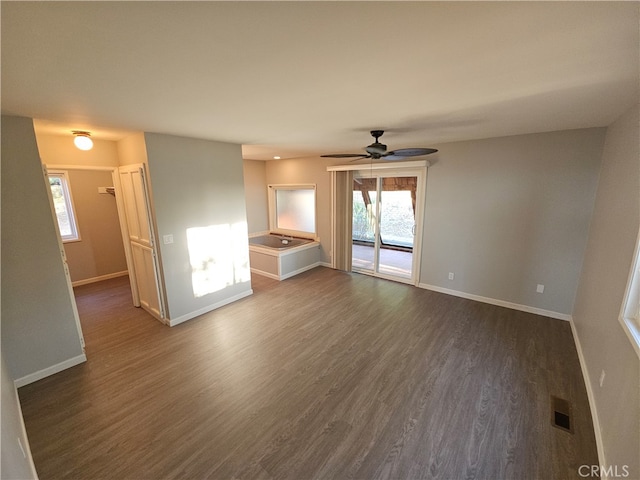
point(376, 149)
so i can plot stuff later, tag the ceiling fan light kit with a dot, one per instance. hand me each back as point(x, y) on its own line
point(378, 151)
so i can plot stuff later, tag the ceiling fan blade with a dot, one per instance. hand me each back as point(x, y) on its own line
point(360, 158)
point(410, 152)
point(342, 155)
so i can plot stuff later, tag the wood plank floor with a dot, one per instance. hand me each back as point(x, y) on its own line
point(327, 375)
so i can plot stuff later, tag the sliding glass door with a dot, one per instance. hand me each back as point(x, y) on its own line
point(385, 224)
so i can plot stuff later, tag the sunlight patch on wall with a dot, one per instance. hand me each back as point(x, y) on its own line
point(219, 257)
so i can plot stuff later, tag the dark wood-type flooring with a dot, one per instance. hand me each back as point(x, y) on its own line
point(327, 375)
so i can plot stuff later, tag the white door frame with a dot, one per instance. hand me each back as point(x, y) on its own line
point(160, 314)
point(72, 298)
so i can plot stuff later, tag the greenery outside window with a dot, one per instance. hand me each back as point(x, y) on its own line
point(63, 205)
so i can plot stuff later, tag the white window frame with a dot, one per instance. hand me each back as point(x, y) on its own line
point(63, 175)
point(630, 311)
point(273, 214)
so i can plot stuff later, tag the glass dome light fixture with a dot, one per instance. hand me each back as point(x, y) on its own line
point(83, 139)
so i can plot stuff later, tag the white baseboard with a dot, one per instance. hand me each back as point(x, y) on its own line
point(46, 372)
point(86, 281)
point(499, 303)
point(176, 321)
point(590, 395)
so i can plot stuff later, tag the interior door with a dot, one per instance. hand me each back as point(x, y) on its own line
point(134, 188)
point(386, 214)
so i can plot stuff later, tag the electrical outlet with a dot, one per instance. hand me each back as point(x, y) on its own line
point(451, 275)
point(168, 239)
point(601, 378)
point(540, 288)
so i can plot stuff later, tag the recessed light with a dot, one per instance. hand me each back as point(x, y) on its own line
point(276, 157)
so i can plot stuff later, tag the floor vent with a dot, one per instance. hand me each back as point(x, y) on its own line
point(561, 415)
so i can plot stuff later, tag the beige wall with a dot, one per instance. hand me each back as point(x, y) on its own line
point(255, 187)
point(100, 251)
point(132, 149)
point(60, 150)
point(607, 263)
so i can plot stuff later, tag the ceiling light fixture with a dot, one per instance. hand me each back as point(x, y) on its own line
point(276, 157)
point(83, 140)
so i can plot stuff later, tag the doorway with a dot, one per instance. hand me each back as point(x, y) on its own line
point(385, 237)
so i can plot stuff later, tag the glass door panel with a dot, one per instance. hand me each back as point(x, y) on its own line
point(396, 226)
point(364, 224)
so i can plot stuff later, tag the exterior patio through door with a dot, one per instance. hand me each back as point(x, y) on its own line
point(385, 233)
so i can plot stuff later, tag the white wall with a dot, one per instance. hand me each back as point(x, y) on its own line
point(39, 330)
point(198, 184)
point(607, 262)
point(255, 187)
point(506, 214)
point(15, 464)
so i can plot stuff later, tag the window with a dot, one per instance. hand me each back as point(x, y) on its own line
point(630, 313)
point(63, 205)
point(292, 210)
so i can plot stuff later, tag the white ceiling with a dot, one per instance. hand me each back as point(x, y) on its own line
point(304, 78)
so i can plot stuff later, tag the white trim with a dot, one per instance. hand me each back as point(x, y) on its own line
point(379, 166)
point(500, 303)
point(176, 321)
point(332, 253)
point(393, 278)
point(272, 190)
point(80, 167)
point(590, 395)
point(100, 278)
point(630, 308)
point(47, 372)
point(633, 332)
